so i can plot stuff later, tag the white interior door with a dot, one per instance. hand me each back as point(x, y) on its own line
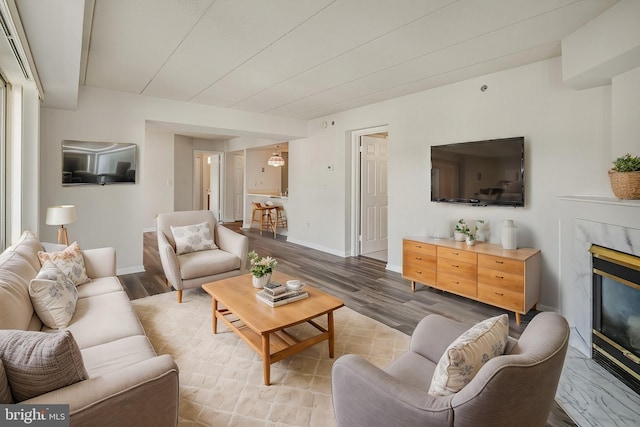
point(373, 194)
point(238, 187)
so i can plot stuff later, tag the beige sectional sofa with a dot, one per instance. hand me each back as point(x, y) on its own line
point(127, 384)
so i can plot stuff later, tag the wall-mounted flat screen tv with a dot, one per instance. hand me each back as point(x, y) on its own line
point(87, 162)
point(489, 172)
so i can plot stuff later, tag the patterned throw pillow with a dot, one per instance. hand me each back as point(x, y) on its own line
point(468, 353)
point(40, 362)
point(70, 261)
point(193, 238)
point(5, 391)
point(54, 296)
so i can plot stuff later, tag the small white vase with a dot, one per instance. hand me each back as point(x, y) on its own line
point(261, 282)
point(470, 242)
point(509, 235)
point(458, 236)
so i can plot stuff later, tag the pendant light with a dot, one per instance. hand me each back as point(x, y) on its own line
point(275, 159)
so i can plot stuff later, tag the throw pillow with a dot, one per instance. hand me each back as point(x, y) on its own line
point(5, 391)
point(468, 353)
point(70, 261)
point(54, 296)
point(193, 238)
point(40, 362)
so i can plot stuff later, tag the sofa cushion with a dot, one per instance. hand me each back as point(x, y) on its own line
point(102, 285)
point(53, 296)
point(103, 318)
point(115, 355)
point(207, 263)
point(16, 272)
point(28, 247)
point(5, 391)
point(70, 261)
point(465, 356)
point(193, 238)
point(37, 363)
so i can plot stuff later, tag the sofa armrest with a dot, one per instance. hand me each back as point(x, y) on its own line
point(235, 243)
point(433, 335)
point(364, 395)
point(145, 393)
point(100, 262)
point(169, 261)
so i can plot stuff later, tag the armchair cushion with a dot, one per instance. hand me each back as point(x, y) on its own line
point(192, 238)
point(206, 263)
point(37, 362)
point(54, 296)
point(464, 357)
point(70, 261)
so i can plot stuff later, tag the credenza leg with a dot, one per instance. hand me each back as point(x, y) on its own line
point(518, 318)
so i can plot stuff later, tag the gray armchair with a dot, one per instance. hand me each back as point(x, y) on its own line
point(517, 388)
point(191, 270)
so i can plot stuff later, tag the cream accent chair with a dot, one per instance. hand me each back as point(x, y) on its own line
point(194, 269)
point(515, 389)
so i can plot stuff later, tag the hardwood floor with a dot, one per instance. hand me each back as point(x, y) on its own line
point(362, 283)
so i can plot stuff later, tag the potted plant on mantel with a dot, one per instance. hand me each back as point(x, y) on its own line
point(625, 177)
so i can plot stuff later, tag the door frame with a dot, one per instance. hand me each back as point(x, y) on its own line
point(221, 179)
point(356, 199)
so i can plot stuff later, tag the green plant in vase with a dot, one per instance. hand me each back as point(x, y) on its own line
point(625, 177)
point(261, 269)
point(459, 230)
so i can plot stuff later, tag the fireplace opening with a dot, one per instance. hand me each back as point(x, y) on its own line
point(616, 314)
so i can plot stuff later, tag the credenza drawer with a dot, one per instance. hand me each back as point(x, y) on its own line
point(501, 297)
point(457, 284)
point(418, 247)
point(457, 254)
point(419, 274)
point(499, 263)
point(500, 279)
point(457, 267)
point(419, 259)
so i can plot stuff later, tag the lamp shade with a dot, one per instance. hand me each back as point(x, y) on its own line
point(61, 215)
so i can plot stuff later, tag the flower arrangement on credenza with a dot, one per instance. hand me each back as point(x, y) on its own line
point(471, 236)
point(261, 269)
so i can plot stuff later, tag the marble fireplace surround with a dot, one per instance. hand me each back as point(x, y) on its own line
point(610, 236)
point(591, 395)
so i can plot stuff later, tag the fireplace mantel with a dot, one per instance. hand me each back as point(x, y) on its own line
point(601, 200)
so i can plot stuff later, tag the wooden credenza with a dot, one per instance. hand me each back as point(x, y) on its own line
point(508, 279)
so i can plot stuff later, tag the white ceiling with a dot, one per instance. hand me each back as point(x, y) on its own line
point(296, 58)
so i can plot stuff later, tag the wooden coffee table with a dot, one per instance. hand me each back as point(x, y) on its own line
point(262, 326)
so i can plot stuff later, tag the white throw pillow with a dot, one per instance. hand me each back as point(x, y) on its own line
point(70, 261)
point(468, 353)
point(193, 238)
point(54, 296)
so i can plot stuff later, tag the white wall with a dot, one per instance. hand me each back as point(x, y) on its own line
point(625, 108)
point(115, 215)
point(157, 171)
point(567, 137)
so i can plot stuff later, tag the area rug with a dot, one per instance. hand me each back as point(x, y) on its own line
point(221, 380)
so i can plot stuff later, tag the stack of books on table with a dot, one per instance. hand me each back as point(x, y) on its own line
point(276, 294)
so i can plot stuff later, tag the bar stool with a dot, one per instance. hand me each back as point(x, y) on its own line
point(262, 215)
point(281, 217)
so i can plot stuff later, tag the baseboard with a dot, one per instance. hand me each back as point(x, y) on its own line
point(146, 230)
point(394, 268)
point(130, 270)
point(342, 254)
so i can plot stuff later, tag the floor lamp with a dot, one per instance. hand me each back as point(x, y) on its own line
point(61, 215)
